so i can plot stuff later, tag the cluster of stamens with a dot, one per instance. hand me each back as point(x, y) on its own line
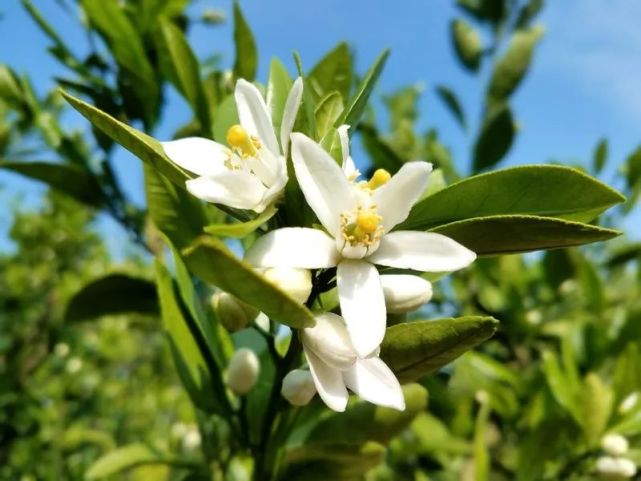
point(362, 227)
point(241, 143)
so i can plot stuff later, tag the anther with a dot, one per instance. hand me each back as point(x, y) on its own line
point(380, 177)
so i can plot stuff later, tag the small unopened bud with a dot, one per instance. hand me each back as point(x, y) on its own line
point(298, 387)
point(242, 372)
point(192, 439)
point(74, 365)
point(404, 292)
point(615, 468)
point(629, 402)
point(296, 282)
point(213, 16)
point(61, 349)
point(614, 444)
point(232, 313)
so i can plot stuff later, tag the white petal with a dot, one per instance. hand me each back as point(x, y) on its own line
point(348, 166)
point(329, 340)
point(196, 154)
point(275, 190)
point(396, 198)
point(372, 380)
point(265, 165)
point(237, 189)
point(362, 304)
point(293, 247)
point(324, 184)
point(422, 251)
point(289, 114)
point(328, 381)
point(254, 116)
point(405, 292)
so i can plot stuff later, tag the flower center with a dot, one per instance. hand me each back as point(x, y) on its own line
point(362, 227)
point(243, 143)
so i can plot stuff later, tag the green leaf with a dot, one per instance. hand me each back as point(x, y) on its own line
point(327, 111)
point(138, 143)
point(183, 70)
point(363, 421)
point(278, 86)
point(127, 47)
point(382, 154)
point(450, 100)
point(353, 112)
point(467, 44)
point(512, 234)
point(213, 262)
point(241, 229)
point(175, 212)
point(73, 180)
point(510, 70)
point(10, 90)
point(495, 139)
point(564, 391)
point(528, 12)
point(595, 405)
point(124, 458)
point(543, 190)
point(226, 116)
point(415, 349)
point(246, 53)
point(493, 11)
point(332, 73)
point(600, 156)
point(113, 294)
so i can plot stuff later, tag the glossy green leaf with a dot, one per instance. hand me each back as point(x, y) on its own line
point(226, 116)
point(213, 262)
point(495, 138)
point(363, 421)
point(512, 234)
point(138, 143)
point(510, 70)
point(70, 179)
point(111, 295)
point(278, 87)
point(543, 190)
point(415, 349)
point(173, 210)
point(332, 73)
point(451, 101)
point(327, 111)
point(600, 156)
point(125, 458)
point(467, 44)
point(241, 229)
point(354, 111)
point(184, 70)
point(246, 61)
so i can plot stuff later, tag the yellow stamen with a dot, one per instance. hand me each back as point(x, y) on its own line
point(367, 221)
point(237, 137)
point(380, 177)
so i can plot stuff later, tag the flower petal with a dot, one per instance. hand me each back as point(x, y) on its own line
point(329, 382)
point(237, 189)
point(294, 247)
point(324, 184)
point(422, 251)
point(373, 381)
point(198, 155)
point(329, 340)
point(289, 114)
point(348, 166)
point(362, 304)
point(396, 197)
point(254, 116)
point(405, 292)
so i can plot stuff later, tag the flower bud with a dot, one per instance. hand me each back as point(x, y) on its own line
point(629, 402)
point(232, 313)
point(614, 444)
point(213, 16)
point(329, 340)
point(242, 372)
point(296, 282)
point(404, 292)
point(298, 387)
point(615, 468)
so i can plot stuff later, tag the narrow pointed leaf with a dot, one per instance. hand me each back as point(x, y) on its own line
point(241, 229)
point(246, 53)
point(600, 155)
point(451, 101)
point(495, 139)
point(122, 459)
point(332, 73)
point(327, 111)
point(278, 87)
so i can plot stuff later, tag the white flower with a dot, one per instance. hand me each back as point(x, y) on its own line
point(335, 366)
point(242, 372)
point(615, 468)
point(298, 387)
point(614, 444)
point(358, 219)
point(252, 172)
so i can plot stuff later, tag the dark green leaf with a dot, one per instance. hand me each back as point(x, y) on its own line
point(241, 229)
point(332, 73)
point(495, 139)
point(70, 179)
point(467, 44)
point(528, 12)
point(543, 190)
point(113, 294)
point(382, 154)
point(512, 234)
point(600, 155)
point(493, 11)
point(213, 262)
point(415, 349)
point(451, 101)
point(246, 53)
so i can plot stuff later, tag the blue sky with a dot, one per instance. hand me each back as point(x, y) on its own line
point(583, 85)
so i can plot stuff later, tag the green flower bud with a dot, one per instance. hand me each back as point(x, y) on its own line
point(242, 372)
point(232, 313)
